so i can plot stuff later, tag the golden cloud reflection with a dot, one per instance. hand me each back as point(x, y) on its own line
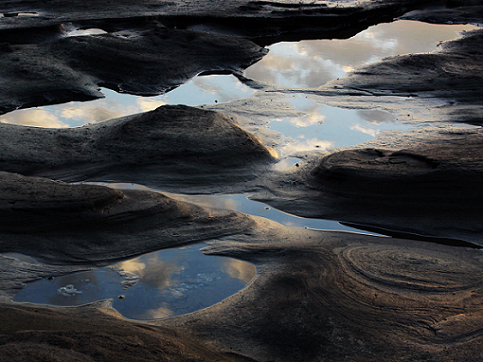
point(238, 269)
point(208, 201)
point(159, 313)
point(153, 271)
point(34, 117)
point(312, 63)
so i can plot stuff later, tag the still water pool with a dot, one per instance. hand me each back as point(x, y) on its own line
point(183, 280)
point(156, 285)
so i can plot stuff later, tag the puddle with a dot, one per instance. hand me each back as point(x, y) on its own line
point(243, 204)
point(312, 63)
point(211, 89)
point(178, 281)
point(21, 14)
point(323, 127)
point(158, 285)
point(71, 31)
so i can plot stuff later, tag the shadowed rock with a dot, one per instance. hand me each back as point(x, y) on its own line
point(93, 225)
point(265, 22)
point(172, 146)
point(318, 295)
point(85, 334)
point(433, 189)
point(148, 61)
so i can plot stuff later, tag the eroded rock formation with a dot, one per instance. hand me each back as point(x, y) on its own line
point(170, 147)
point(319, 295)
point(93, 225)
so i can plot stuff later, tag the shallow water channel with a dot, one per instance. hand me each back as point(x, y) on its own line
point(182, 280)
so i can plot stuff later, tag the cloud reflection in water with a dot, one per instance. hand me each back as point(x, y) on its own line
point(323, 127)
point(198, 91)
point(173, 282)
point(312, 63)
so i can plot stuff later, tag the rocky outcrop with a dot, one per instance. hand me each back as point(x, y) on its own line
point(340, 296)
point(147, 61)
point(69, 224)
point(171, 146)
point(432, 189)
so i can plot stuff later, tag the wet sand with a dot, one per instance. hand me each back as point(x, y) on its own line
point(319, 295)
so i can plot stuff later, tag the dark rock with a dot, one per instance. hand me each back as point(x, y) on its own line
point(152, 61)
point(172, 145)
point(93, 225)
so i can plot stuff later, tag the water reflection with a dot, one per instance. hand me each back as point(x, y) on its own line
point(170, 282)
point(312, 63)
point(242, 204)
point(323, 127)
point(198, 91)
point(237, 269)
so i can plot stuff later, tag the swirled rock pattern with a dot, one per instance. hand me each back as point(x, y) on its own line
point(319, 296)
point(336, 296)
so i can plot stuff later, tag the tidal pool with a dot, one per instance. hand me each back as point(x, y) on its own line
point(156, 285)
point(312, 63)
point(183, 280)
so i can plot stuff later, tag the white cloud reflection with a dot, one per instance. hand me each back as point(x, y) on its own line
point(312, 63)
point(198, 91)
point(300, 145)
point(366, 130)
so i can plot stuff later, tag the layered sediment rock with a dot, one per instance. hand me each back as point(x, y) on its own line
point(172, 147)
point(336, 296)
point(69, 224)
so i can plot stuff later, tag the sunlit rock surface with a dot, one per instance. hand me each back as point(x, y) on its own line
point(336, 296)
